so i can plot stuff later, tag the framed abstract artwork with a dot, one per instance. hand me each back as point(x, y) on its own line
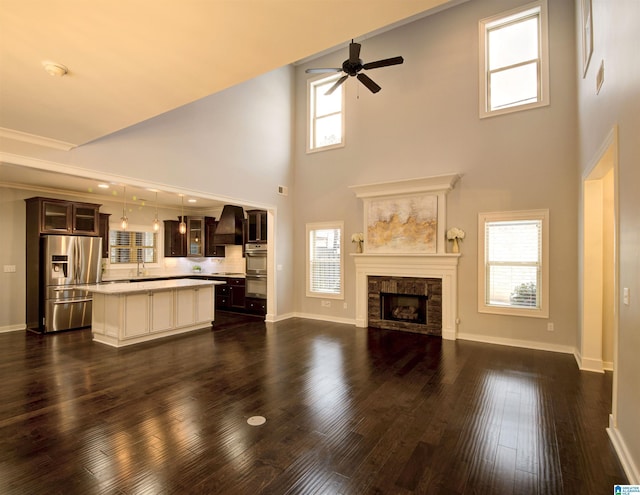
point(406, 224)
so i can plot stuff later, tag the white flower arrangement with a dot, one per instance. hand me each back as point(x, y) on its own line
point(455, 233)
point(357, 237)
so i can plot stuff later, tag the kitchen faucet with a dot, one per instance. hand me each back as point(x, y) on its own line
point(138, 272)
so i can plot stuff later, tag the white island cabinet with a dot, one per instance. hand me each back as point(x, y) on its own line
point(129, 313)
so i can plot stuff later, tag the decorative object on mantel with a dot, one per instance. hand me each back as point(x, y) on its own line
point(455, 234)
point(406, 216)
point(358, 239)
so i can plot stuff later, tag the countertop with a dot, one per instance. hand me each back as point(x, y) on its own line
point(149, 286)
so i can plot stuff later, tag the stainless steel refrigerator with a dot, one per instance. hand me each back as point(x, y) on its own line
point(67, 262)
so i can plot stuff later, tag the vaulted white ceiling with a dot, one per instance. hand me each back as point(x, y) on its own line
point(130, 60)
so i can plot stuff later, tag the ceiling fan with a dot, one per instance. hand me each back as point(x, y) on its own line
point(352, 67)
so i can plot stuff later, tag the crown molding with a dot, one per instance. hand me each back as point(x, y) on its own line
point(37, 140)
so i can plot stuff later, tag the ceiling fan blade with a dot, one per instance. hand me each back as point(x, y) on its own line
point(383, 63)
point(335, 86)
point(354, 52)
point(368, 82)
point(323, 71)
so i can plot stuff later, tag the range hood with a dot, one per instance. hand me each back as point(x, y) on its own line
point(230, 226)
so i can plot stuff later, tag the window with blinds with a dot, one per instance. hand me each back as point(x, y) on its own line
point(132, 247)
point(512, 266)
point(324, 260)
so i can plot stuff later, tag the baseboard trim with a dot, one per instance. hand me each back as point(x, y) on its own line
point(593, 365)
point(607, 365)
point(526, 344)
point(12, 328)
point(332, 319)
point(276, 318)
point(628, 465)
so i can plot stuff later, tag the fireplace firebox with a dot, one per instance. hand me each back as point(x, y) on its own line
point(411, 304)
point(411, 308)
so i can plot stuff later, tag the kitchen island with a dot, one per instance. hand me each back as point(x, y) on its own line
point(129, 313)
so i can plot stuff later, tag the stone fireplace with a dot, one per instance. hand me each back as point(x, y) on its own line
point(408, 290)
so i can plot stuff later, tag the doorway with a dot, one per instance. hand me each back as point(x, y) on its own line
point(600, 262)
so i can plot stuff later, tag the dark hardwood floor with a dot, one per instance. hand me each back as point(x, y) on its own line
point(349, 411)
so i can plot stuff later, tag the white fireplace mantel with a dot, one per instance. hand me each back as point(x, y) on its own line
point(399, 263)
point(442, 266)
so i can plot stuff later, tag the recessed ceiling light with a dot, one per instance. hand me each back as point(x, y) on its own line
point(103, 186)
point(55, 69)
point(192, 200)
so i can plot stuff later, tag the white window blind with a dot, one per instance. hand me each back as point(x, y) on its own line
point(513, 262)
point(325, 114)
point(132, 247)
point(324, 262)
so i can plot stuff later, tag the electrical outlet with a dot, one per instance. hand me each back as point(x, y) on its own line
point(9, 268)
point(550, 327)
point(625, 296)
point(344, 305)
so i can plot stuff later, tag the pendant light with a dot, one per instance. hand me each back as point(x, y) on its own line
point(124, 221)
point(183, 226)
point(156, 222)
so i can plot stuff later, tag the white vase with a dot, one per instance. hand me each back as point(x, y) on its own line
point(359, 247)
point(456, 246)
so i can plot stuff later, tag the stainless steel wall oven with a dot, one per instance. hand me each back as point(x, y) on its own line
point(256, 281)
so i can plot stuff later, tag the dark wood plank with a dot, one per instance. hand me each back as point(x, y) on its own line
point(349, 411)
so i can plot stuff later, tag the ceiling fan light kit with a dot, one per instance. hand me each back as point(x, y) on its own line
point(352, 67)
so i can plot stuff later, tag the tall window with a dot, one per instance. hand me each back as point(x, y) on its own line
point(513, 266)
point(132, 247)
point(325, 271)
point(326, 115)
point(514, 68)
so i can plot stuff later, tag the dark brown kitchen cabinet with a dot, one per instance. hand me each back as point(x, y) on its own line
point(256, 225)
point(210, 248)
point(231, 296)
point(195, 236)
point(58, 216)
point(236, 293)
point(175, 243)
point(256, 306)
point(104, 233)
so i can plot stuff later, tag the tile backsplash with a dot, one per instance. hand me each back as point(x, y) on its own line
point(233, 262)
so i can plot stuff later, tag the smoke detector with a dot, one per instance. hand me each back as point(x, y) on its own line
point(54, 69)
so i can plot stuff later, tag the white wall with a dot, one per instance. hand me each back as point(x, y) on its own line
point(616, 39)
point(12, 252)
point(425, 122)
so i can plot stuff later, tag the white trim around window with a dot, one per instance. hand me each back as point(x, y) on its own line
point(325, 260)
point(515, 67)
point(513, 272)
